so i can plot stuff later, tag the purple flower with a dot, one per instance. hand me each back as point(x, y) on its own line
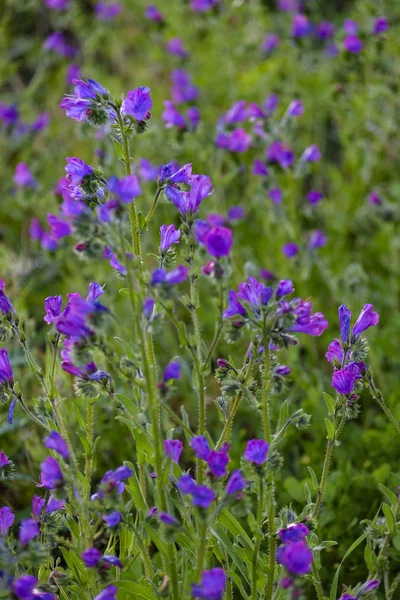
point(203, 496)
point(290, 249)
point(236, 141)
point(5, 305)
point(11, 409)
point(183, 89)
point(256, 451)
point(218, 462)
point(172, 117)
point(236, 114)
point(168, 236)
point(311, 154)
point(41, 122)
point(186, 484)
point(56, 42)
point(113, 519)
point(53, 504)
point(236, 483)
point(270, 43)
point(91, 557)
point(9, 115)
point(314, 196)
point(28, 530)
point(173, 448)
point(4, 460)
point(311, 324)
point(380, 25)
point(278, 152)
point(200, 447)
point(127, 188)
point(153, 14)
point(113, 480)
point(259, 168)
point(218, 241)
point(104, 11)
point(366, 319)
point(276, 195)
point(51, 476)
point(296, 557)
point(369, 586)
point(335, 351)
point(295, 109)
point(300, 26)
point(168, 519)
point(344, 322)
point(57, 4)
point(270, 104)
point(172, 371)
point(285, 287)
point(175, 46)
point(374, 199)
point(203, 6)
point(317, 240)
point(325, 30)
point(234, 307)
point(138, 104)
point(148, 307)
point(344, 379)
point(235, 213)
point(353, 44)
point(169, 278)
point(55, 442)
point(293, 533)
point(109, 593)
point(350, 27)
point(111, 560)
point(80, 104)
point(189, 202)
point(23, 177)
point(193, 114)
point(6, 520)
point(24, 586)
point(6, 374)
point(59, 227)
point(282, 370)
point(77, 170)
point(212, 585)
point(73, 72)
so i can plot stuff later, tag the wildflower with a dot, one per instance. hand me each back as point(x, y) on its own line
point(369, 586)
point(73, 72)
point(380, 25)
point(212, 585)
point(6, 374)
point(374, 198)
point(23, 177)
point(28, 530)
point(59, 227)
point(234, 307)
point(353, 44)
point(218, 462)
point(88, 98)
point(6, 520)
point(290, 249)
point(53, 504)
point(105, 11)
point(25, 589)
point(175, 46)
point(366, 319)
point(344, 321)
point(295, 109)
point(168, 236)
point(203, 496)
point(218, 241)
point(5, 305)
point(127, 188)
point(153, 14)
point(77, 170)
point(114, 480)
point(282, 370)
point(335, 352)
point(55, 442)
point(317, 240)
point(202, 6)
point(350, 27)
point(51, 476)
point(236, 483)
point(56, 42)
point(168, 519)
point(259, 168)
point(169, 278)
point(173, 448)
point(311, 154)
point(325, 30)
point(281, 154)
point(270, 43)
point(294, 532)
point(183, 89)
point(296, 557)
point(256, 451)
point(314, 196)
point(300, 26)
point(138, 104)
point(57, 4)
point(236, 141)
point(113, 519)
point(109, 560)
point(41, 122)
point(285, 287)
point(37, 506)
point(344, 379)
point(200, 447)
point(276, 195)
point(312, 324)
point(109, 593)
point(235, 213)
point(4, 460)
point(91, 557)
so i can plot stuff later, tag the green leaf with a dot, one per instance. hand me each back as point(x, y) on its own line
point(126, 347)
point(391, 496)
point(330, 403)
point(226, 519)
point(330, 428)
point(134, 590)
point(314, 479)
point(142, 221)
point(283, 415)
point(133, 488)
point(390, 518)
point(335, 581)
point(118, 149)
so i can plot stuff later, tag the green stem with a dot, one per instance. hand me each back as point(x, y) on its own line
point(271, 545)
point(153, 208)
point(218, 327)
point(265, 394)
point(202, 547)
point(257, 542)
point(317, 583)
point(89, 455)
point(175, 417)
point(377, 395)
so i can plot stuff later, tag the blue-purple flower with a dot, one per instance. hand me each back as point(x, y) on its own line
point(109, 593)
point(112, 519)
point(25, 588)
point(212, 585)
point(294, 532)
point(51, 476)
point(296, 557)
point(256, 451)
point(55, 442)
point(169, 278)
point(6, 520)
point(173, 448)
point(235, 484)
point(168, 236)
point(81, 104)
point(138, 104)
point(28, 530)
point(200, 447)
point(23, 177)
point(126, 189)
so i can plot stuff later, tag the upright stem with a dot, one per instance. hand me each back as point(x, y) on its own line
point(218, 327)
point(257, 542)
point(202, 547)
point(317, 583)
point(271, 545)
point(265, 395)
point(89, 455)
point(154, 205)
point(377, 395)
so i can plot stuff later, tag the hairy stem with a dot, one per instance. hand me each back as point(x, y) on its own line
point(257, 543)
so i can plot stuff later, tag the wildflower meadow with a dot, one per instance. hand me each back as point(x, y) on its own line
point(199, 299)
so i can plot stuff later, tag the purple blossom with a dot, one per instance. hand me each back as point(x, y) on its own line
point(168, 519)
point(109, 593)
point(218, 462)
point(282, 370)
point(28, 530)
point(169, 278)
point(23, 177)
point(235, 213)
point(111, 560)
point(5, 305)
point(56, 42)
point(175, 46)
point(189, 202)
point(270, 43)
point(55, 442)
point(183, 89)
point(203, 496)
point(4, 460)
point(317, 240)
point(24, 586)
point(325, 30)
point(314, 196)
point(290, 249)
point(57, 4)
point(41, 122)
point(212, 585)
point(53, 504)
point(350, 27)
point(73, 72)
point(6, 374)
point(80, 104)
point(312, 324)
point(344, 322)
point(270, 104)
point(235, 484)
point(374, 198)
point(113, 519)
point(311, 154)
point(173, 448)
point(285, 287)
point(148, 308)
point(344, 379)
point(6, 520)
point(114, 480)
point(369, 586)
point(11, 409)
point(234, 307)
point(380, 25)
point(105, 11)
point(138, 104)
point(51, 476)
point(366, 319)
point(172, 371)
point(276, 195)
point(127, 188)
point(77, 170)
point(9, 114)
point(200, 447)
point(296, 557)
point(259, 168)
point(353, 44)
point(172, 117)
point(237, 140)
point(168, 236)
point(236, 114)
point(37, 506)
point(218, 241)
point(295, 109)
point(186, 484)
point(153, 14)
point(91, 557)
point(335, 351)
point(202, 6)
point(256, 451)
point(294, 532)
point(59, 227)
point(281, 154)
point(300, 26)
